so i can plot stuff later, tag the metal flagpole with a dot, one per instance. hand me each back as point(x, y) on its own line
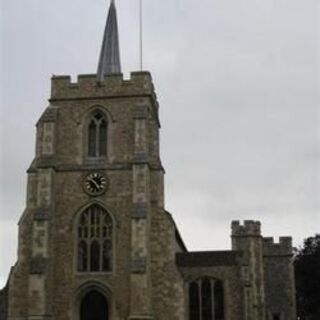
point(141, 35)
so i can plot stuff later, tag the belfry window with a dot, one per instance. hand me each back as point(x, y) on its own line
point(97, 135)
point(95, 234)
point(206, 300)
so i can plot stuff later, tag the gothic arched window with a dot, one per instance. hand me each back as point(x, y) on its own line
point(95, 234)
point(97, 134)
point(206, 300)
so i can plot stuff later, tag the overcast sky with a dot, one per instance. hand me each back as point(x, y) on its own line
point(238, 86)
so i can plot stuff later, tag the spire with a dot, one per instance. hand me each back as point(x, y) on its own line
point(109, 62)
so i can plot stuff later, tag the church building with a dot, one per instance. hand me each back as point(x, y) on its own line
point(95, 239)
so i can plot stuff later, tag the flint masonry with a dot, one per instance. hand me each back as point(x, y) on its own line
point(95, 240)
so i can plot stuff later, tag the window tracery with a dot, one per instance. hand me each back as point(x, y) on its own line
point(95, 234)
point(206, 299)
point(97, 135)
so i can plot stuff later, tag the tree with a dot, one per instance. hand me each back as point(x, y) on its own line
point(307, 276)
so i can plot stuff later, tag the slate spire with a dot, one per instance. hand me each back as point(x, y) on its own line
point(109, 62)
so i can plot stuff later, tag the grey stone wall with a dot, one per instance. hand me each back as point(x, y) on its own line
point(18, 281)
point(4, 303)
point(279, 278)
point(167, 284)
point(233, 287)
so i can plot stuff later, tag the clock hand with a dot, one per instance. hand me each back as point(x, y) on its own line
point(94, 182)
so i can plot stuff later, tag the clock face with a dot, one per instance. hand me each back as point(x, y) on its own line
point(95, 183)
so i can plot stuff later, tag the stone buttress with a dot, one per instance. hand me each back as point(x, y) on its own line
point(29, 285)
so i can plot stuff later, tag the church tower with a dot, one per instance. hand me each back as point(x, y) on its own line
point(95, 201)
point(95, 240)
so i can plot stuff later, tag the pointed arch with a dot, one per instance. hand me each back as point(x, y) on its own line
point(97, 134)
point(94, 305)
point(95, 233)
point(206, 299)
point(101, 292)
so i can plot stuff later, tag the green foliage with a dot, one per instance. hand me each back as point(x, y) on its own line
point(307, 276)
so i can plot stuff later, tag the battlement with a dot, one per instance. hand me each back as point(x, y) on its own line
point(87, 86)
point(248, 228)
point(281, 248)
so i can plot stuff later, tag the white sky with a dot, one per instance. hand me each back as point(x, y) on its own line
point(238, 86)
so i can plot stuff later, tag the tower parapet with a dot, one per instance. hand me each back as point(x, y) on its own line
point(248, 229)
point(87, 86)
point(282, 248)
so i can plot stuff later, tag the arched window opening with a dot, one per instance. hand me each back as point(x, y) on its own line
point(219, 300)
point(103, 138)
point(106, 262)
point(194, 303)
point(97, 135)
point(95, 256)
point(92, 132)
point(206, 300)
point(94, 306)
point(95, 233)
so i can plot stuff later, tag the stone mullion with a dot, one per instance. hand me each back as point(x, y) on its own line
point(85, 239)
point(187, 300)
point(101, 242)
point(86, 269)
point(200, 298)
point(213, 316)
point(89, 239)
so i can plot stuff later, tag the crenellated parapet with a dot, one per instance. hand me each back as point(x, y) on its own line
point(281, 248)
point(249, 228)
point(113, 86)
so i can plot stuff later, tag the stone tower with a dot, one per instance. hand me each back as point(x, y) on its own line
point(267, 270)
point(86, 235)
point(279, 274)
point(247, 238)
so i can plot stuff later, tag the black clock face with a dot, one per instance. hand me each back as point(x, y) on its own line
point(95, 183)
